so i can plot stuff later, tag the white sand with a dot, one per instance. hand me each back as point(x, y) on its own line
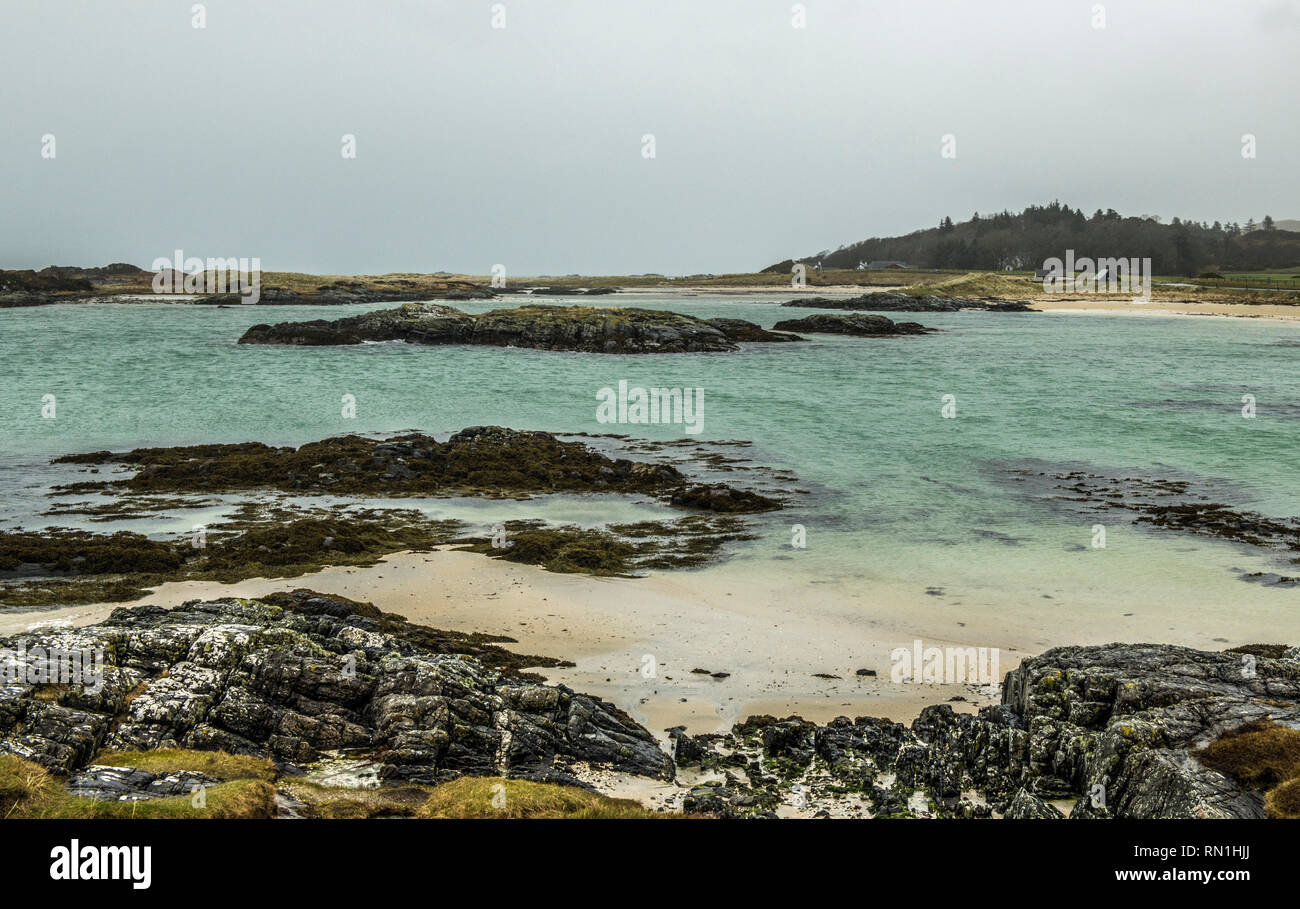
point(770, 638)
point(772, 630)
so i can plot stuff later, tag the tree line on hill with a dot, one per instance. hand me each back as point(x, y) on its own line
point(1040, 232)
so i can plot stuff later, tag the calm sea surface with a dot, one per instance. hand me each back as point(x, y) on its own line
point(892, 491)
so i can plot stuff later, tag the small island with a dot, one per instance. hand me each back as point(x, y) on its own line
point(545, 327)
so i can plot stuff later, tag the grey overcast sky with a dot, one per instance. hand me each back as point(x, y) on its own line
point(523, 145)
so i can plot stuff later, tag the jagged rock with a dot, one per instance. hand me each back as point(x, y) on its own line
point(295, 675)
point(1115, 728)
point(1026, 806)
point(132, 784)
point(686, 750)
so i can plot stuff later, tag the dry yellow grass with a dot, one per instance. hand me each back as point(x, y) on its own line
point(977, 284)
point(249, 789)
point(28, 790)
point(495, 797)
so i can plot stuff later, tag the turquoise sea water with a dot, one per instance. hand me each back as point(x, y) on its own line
point(894, 491)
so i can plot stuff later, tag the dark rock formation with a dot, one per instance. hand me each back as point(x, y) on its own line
point(723, 499)
point(581, 328)
point(740, 330)
point(899, 302)
point(133, 784)
point(295, 675)
point(859, 324)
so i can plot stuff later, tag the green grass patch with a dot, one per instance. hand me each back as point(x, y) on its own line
point(28, 790)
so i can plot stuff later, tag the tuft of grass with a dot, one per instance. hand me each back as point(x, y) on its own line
point(28, 790)
point(336, 802)
point(216, 764)
point(1283, 801)
point(496, 797)
point(467, 797)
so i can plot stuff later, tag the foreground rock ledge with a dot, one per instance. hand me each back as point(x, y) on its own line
point(294, 675)
point(1106, 731)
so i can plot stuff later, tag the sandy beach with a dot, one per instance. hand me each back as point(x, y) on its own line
point(1159, 307)
point(635, 641)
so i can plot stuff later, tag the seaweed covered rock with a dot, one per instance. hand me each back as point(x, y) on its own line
point(294, 675)
point(478, 460)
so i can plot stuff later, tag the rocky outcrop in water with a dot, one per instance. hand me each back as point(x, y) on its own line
point(739, 330)
point(899, 302)
point(859, 324)
point(577, 328)
point(297, 675)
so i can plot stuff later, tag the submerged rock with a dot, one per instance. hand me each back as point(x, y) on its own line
point(860, 324)
point(577, 328)
point(292, 676)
